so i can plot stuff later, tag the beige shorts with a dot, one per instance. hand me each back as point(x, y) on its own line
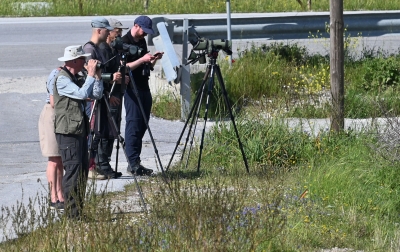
point(47, 137)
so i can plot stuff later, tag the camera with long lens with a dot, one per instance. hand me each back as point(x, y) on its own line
point(107, 77)
point(135, 52)
point(212, 45)
point(209, 48)
point(132, 50)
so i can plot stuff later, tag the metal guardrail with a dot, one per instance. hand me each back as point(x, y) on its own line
point(281, 25)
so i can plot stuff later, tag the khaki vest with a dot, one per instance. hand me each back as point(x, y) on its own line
point(69, 115)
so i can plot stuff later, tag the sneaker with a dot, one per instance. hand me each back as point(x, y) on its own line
point(57, 205)
point(109, 173)
point(53, 205)
point(93, 174)
point(60, 205)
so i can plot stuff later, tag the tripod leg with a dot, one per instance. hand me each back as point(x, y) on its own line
point(195, 104)
point(136, 92)
point(195, 118)
point(210, 88)
point(91, 137)
point(122, 141)
point(121, 69)
point(225, 94)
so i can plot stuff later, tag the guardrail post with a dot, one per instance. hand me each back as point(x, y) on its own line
point(185, 74)
point(228, 24)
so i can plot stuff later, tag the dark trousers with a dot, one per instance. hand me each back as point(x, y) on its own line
point(104, 145)
point(101, 147)
point(135, 124)
point(74, 156)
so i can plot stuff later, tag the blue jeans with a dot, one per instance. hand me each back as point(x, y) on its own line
point(135, 127)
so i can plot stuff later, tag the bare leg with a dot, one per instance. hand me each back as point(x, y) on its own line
point(60, 174)
point(51, 174)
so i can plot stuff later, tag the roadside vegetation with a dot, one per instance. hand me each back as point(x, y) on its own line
point(307, 190)
point(13, 8)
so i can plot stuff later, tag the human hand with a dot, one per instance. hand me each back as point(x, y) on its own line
point(91, 67)
point(114, 101)
point(147, 58)
point(117, 77)
point(98, 73)
point(158, 55)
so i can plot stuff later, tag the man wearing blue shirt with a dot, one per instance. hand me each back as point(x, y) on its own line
point(72, 124)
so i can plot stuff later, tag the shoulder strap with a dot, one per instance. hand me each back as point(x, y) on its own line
point(96, 49)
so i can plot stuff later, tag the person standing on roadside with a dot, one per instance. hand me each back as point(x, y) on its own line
point(72, 124)
point(49, 147)
point(104, 135)
point(107, 133)
point(136, 127)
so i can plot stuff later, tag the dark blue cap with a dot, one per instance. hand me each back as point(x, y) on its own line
point(145, 23)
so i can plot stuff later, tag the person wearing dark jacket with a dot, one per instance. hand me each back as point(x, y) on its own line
point(135, 123)
point(104, 133)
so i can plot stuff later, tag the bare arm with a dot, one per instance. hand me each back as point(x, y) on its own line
point(52, 101)
point(147, 58)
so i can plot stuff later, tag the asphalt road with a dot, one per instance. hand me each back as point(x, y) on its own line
point(29, 48)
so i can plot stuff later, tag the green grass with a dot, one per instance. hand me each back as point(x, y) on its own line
point(291, 82)
point(303, 193)
point(167, 106)
point(159, 7)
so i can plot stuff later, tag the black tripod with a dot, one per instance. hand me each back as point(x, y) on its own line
point(116, 128)
point(119, 137)
point(212, 69)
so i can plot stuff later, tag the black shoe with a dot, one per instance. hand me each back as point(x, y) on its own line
point(139, 171)
point(143, 171)
point(118, 174)
point(60, 205)
point(53, 205)
point(57, 205)
point(133, 168)
point(109, 173)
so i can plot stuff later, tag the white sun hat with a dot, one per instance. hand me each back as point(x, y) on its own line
point(73, 52)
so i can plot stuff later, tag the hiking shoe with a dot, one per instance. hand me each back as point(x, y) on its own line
point(133, 168)
point(93, 174)
point(143, 171)
point(140, 171)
